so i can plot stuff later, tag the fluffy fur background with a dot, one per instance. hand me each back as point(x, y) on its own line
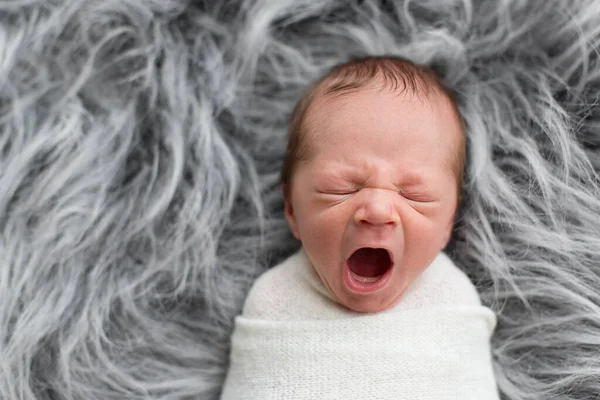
point(140, 143)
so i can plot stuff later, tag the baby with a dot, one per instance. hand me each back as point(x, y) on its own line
point(370, 307)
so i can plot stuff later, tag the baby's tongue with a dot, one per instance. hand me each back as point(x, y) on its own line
point(369, 263)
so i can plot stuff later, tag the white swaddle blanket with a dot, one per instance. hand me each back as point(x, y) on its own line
point(293, 341)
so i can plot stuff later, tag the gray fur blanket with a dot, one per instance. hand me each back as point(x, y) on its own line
point(140, 144)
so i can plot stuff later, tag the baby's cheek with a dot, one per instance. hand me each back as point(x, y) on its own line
point(423, 239)
point(323, 228)
point(322, 232)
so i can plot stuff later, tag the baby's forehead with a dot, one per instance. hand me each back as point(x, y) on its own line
point(331, 118)
point(327, 107)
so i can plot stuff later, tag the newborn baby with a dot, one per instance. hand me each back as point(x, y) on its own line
point(370, 307)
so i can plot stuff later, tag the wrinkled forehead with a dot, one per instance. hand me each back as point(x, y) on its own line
point(330, 132)
point(330, 110)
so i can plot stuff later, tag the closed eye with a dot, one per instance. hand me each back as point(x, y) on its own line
point(417, 197)
point(338, 192)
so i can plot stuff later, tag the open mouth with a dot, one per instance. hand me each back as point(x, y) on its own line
point(368, 269)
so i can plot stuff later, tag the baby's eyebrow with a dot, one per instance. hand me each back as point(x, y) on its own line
point(412, 179)
point(354, 175)
point(412, 182)
point(406, 178)
point(328, 177)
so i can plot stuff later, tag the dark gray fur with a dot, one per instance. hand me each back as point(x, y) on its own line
point(140, 144)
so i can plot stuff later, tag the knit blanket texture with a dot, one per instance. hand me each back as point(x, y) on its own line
point(294, 341)
point(140, 147)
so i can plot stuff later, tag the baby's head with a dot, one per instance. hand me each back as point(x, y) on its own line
point(372, 177)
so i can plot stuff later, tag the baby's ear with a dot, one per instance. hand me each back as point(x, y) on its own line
point(288, 210)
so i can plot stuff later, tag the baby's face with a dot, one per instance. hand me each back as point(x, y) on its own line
point(380, 179)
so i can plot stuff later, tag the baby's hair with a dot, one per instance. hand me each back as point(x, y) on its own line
point(396, 74)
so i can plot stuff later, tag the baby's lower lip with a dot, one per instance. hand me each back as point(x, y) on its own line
point(364, 285)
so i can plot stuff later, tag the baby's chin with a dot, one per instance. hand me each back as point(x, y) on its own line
point(372, 303)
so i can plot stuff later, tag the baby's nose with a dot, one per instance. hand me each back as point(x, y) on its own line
point(378, 209)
